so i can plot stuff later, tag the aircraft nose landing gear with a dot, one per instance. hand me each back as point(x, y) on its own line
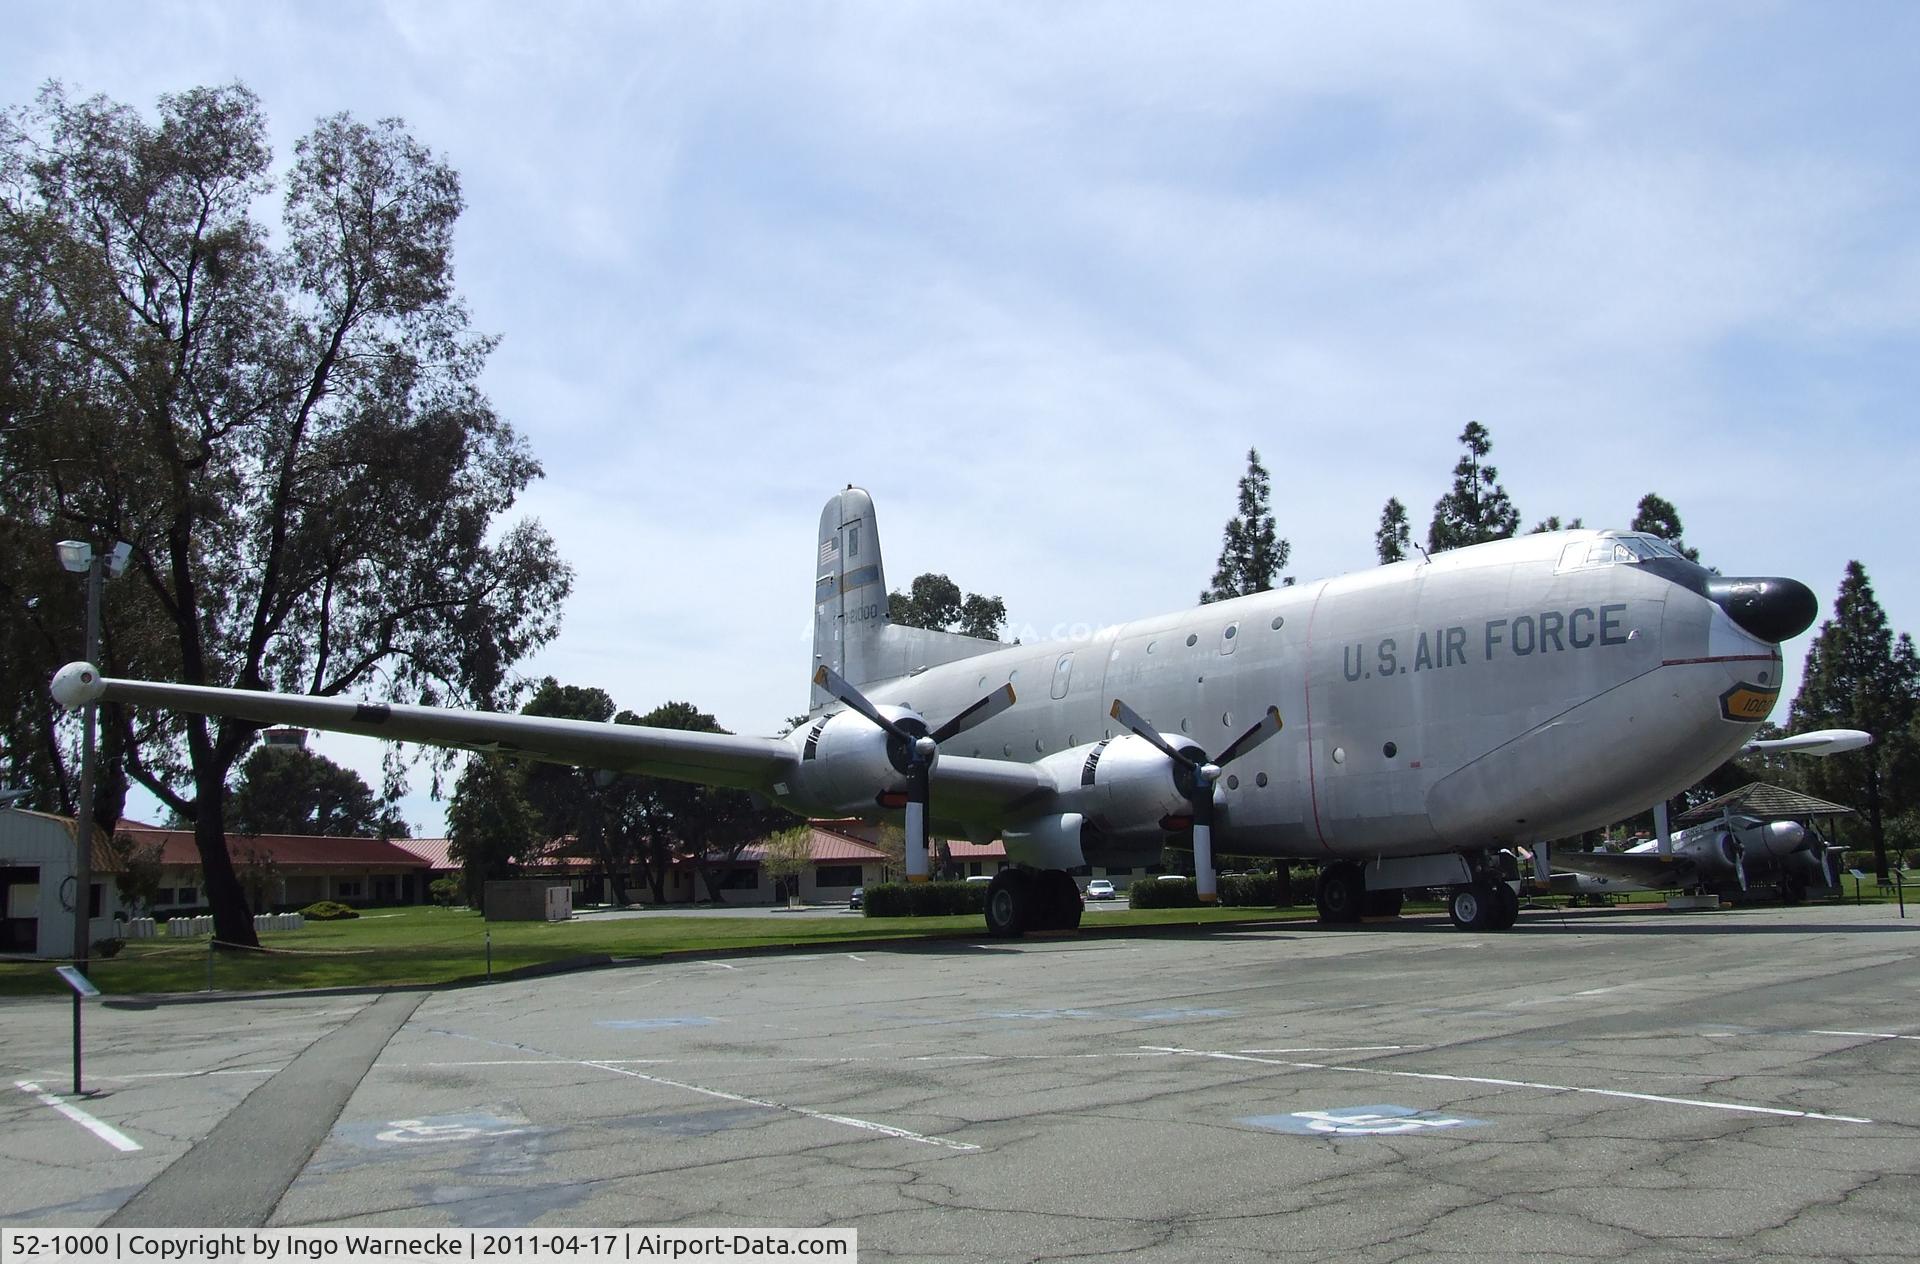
point(1484, 904)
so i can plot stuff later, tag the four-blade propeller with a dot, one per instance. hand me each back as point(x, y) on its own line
point(1194, 775)
point(913, 751)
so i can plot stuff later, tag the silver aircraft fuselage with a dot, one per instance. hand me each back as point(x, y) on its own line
point(1517, 691)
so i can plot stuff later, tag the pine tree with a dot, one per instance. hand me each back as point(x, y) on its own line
point(1860, 676)
point(1477, 509)
point(1251, 556)
point(1394, 537)
point(1657, 516)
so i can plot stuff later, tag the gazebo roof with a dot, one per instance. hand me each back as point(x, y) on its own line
point(1766, 802)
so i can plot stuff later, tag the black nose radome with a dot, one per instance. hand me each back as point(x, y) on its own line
point(1771, 609)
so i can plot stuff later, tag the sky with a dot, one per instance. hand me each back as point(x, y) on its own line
point(1038, 276)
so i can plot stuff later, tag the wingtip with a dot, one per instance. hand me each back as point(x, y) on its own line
point(77, 684)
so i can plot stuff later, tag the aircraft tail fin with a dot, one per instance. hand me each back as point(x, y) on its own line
point(852, 632)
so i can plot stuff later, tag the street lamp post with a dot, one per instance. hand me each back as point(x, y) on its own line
point(79, 557)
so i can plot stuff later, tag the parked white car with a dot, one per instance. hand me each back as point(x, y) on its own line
point(1100, 889)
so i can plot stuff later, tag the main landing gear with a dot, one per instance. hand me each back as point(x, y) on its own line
point(1020, 900)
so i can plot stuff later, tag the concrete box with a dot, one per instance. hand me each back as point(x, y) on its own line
point(527, 900)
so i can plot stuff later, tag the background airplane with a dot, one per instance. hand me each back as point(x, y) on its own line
point(1720, 857)
point(1398, 726)
point(1726, 857)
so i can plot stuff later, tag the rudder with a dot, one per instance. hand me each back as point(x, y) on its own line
point(852, 632)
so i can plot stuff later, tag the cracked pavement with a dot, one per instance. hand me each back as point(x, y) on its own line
point(1639, 1086)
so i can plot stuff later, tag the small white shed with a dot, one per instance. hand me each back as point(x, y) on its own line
point(37, 879)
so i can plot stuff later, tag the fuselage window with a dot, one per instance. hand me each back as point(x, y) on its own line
point(1062, 673)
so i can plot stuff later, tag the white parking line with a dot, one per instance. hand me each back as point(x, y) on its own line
point(1341, 1049)
point(1871, 1035)
point(721, 1062)
point(106, 1132)
point(1499, 1083)
point(187, 1075)
point(864, 1124)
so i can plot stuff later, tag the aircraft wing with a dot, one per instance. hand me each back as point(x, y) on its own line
point(972, 788)
point(1641, 868)
point(714, 759)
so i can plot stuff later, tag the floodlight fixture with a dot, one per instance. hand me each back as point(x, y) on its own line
point(117, 558)
point(75, 555)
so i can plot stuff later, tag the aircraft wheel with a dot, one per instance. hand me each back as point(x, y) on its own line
point(1792, 890)
point(1506, 907)
point(1341, 893)
point(1011, 903)
point(1472, 907)
point(1060, 898)
point(1382, 903)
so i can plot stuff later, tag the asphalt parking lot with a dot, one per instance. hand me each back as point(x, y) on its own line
point(1639, 1086)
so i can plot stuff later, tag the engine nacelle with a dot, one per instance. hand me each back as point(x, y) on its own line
point(1047, 842)
point(847, 760)
point(1122, 786)
point(1775, 840)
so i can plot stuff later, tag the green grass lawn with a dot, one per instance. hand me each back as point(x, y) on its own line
point(397, 947)
point(392, 947)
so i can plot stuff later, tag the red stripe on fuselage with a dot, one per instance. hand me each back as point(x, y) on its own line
point(1306, 689)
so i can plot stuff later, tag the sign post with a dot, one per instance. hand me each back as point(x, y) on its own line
point(82, 989)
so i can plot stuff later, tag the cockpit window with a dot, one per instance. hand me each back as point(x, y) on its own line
point(1610, 550)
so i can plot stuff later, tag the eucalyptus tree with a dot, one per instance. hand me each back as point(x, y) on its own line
point(283, 418)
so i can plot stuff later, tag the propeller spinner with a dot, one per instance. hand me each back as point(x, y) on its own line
point(918, 752)
point(1195, 775)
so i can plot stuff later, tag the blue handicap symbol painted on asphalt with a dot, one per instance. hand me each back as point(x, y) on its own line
point(1363, 1121)
point(431, 1130)
point(1133, 1015)
point(1176, 1015)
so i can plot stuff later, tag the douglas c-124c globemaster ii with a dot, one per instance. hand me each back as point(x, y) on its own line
point(1434, 712)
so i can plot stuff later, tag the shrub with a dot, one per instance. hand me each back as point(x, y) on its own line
point(925, 899)
point(327, 911)
point(1250, 890)
point(108, 947)
point(445, 891)
point(1153, 893)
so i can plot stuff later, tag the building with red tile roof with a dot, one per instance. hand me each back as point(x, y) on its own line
point(293, 870)
point(287, 870)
